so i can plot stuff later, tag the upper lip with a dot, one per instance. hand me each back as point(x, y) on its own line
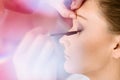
point(67, 57)
point(65, 50)
point(66, 53)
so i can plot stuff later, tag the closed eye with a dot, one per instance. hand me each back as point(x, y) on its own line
point(67, 33)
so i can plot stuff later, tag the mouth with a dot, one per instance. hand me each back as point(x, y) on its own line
point(67, 57)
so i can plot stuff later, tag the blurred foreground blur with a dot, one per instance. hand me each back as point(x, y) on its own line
point(18, 20)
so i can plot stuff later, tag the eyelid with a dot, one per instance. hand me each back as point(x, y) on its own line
point(67, 33)
point(72, 32)
point(79, 29)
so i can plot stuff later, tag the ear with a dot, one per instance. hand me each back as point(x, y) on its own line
point(116, 48)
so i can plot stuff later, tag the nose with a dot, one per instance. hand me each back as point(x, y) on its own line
point(64, 41)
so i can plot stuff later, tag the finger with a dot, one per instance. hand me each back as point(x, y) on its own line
point(36, 47)
point(65, 12)
point(47, 71)
point(45, 61)
point(62, 7)
point(26, 42)
point(76, 4)
point(67, 3)
point(45, 55)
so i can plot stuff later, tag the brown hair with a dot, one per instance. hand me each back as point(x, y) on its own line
point(111, 11)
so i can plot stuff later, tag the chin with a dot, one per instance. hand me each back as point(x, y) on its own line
point(69, 68)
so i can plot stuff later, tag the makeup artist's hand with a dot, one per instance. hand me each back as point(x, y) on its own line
point(34, 58)
point(61, 7)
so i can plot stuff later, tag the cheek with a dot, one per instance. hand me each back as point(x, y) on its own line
point(89, 52)
point(96, 50)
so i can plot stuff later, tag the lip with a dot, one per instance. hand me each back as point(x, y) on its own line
point(67, 57)
point(65, 52)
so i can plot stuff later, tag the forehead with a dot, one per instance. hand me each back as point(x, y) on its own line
point(90, 8)
point(90, 4)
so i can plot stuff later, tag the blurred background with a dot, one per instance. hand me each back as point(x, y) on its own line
point(20, 16)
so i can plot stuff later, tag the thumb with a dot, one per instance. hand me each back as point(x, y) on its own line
point(76, 4)
point(65, 12)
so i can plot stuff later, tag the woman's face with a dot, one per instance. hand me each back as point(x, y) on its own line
point(88, 50)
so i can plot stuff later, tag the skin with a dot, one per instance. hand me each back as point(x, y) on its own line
point(94, 51)
point(65, 12)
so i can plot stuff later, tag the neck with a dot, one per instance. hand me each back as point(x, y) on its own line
point(110, 72)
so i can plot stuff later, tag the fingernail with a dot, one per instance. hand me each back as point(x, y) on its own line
point(73, 5)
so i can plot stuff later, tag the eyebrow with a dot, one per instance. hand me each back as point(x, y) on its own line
point(81, 16)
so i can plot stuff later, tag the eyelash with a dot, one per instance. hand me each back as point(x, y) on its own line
point(67, 33)
point(79, 30)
